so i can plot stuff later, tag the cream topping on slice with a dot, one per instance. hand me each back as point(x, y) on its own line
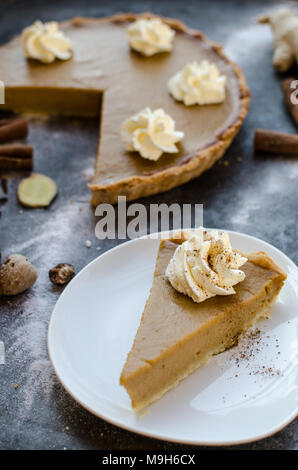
point(205, 265)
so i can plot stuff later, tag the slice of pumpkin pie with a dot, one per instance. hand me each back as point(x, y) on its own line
point(205, 312)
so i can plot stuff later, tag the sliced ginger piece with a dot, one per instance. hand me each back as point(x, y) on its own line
point(37, 191)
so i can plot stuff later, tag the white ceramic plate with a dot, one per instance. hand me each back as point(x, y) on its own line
point(227, 401)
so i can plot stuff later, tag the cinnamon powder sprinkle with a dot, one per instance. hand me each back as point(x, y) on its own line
point(249, 347)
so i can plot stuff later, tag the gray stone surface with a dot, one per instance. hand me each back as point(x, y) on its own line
point(252, 194)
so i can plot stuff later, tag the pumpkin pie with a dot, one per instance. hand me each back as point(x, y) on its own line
point(177, 335)
point(107, 79)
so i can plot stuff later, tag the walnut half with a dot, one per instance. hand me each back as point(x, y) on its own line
point(61, 274)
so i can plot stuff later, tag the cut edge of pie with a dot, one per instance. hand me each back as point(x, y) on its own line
point(135, 378)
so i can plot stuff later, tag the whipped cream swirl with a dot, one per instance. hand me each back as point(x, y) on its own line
point(150, 36)
point(44, 42)
point(205, 266)
point(198, 84)
point(151, 133)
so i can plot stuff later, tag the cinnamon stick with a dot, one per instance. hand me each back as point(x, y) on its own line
point(13, 130)
point(275, 142)
point(4, 185)
point(16, 150)
point(9, 163)
point(287, 92)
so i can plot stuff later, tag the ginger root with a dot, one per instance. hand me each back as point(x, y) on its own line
point(284, 25)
